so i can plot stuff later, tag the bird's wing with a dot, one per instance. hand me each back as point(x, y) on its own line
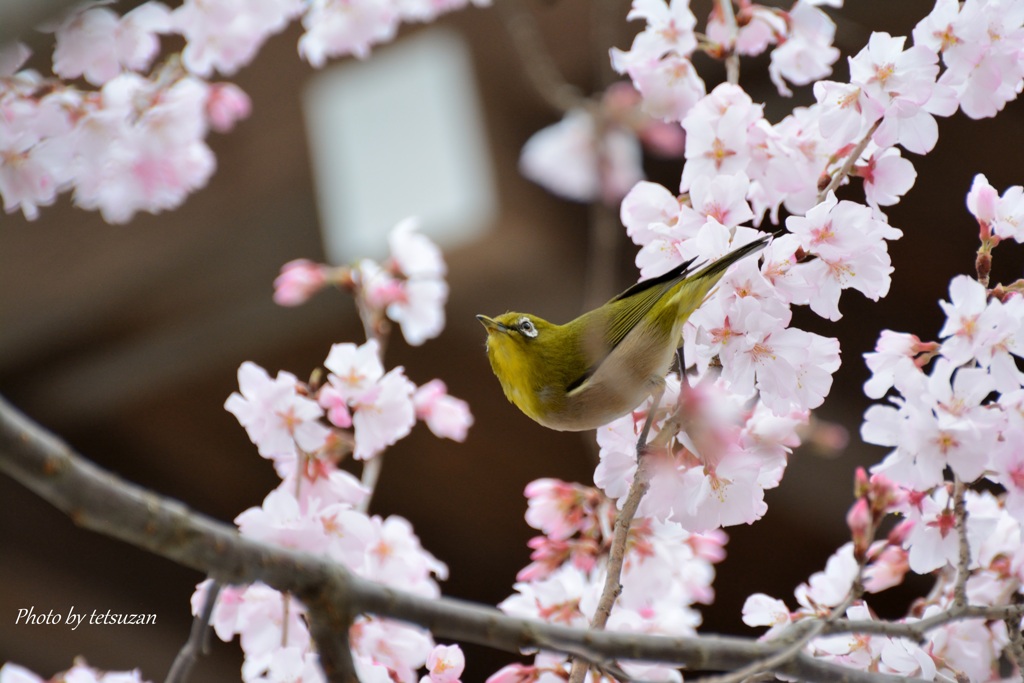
point(629, 308)
point(606, 327)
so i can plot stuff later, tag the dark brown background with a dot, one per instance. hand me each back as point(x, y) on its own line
point(126, 340)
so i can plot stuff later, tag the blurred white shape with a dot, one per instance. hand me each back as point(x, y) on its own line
point(398, 135)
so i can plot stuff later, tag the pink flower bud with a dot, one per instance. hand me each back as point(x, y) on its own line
point(225, 105)
point(859, 521)
point(299, 280)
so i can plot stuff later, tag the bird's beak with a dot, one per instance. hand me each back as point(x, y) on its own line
point(491, 324)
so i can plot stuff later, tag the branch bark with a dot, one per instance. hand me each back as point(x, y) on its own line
point(98, 500)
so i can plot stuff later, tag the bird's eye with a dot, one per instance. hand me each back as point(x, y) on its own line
point(526, 327)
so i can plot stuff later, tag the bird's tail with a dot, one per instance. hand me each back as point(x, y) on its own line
point(697, 286)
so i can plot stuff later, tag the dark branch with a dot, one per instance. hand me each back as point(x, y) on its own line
point(97, 500)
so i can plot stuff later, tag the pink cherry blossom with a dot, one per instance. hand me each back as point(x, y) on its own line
point(15, 673)
point(414, 254)
point(384, 415)
point(283, 521)
point(98, 44)
point(355, 369)
point(717, 130)
point(851, 250)
point(420, 309)
point(979, 43)
point(1004, 216)
point(987, 331)
point(555, 599)
point(1008, 467)
point(722, 197)
point(224, 35)
point(670, 84)
point(886, 569)
point(128, 161)
point(445, 663)
point(903, 82)
point(830, 587)
point(763, 610)
point(807, 53)
point(846, 112)
point(335, 28)
point(887, 177)
point(669, 27)
point(395, 557)
point(556, 508)
point(278, 420)
point(299, 280)
point(226, 105)
point(446, 416)
point(27, 180)
point(648, 204)
point(894, 355)
point(562, 158)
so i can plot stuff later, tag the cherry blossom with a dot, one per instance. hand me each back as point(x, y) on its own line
point(850, 245)
point(299, 280)
point(717, 130)
point(224, 35)
point(887, 177)
point(807, 53)
point(381, 405)
point(563, 159)
point(670, 84)
point(1003, 216)
point(278, 420)
point(445, 663)
point(446, 416)
point(98, 44)
point(979, 43)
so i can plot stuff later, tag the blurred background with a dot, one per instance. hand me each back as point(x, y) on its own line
point(126, 339)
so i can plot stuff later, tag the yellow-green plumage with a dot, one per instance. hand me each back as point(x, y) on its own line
point(603, 364)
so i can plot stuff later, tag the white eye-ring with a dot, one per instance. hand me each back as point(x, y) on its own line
point(526, 327)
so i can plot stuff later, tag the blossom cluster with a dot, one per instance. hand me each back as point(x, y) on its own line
point(740, 169)
point(925, 540)
point(666, 571)
point(955, 405)
point(137, 142)
point(408, 288)
point(305, 429)
point(561, 157)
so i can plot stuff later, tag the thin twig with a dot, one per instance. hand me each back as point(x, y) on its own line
point(851, 159)
point(197, 642)
point(964, 555)
point(540, 68)
point(97, 500)
point(732, 60)
point(918, 630)
point(1015, 648)
point(802, 632)
point(623, 521)
point(369, 478)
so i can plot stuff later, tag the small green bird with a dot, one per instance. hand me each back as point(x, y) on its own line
point(603, 364)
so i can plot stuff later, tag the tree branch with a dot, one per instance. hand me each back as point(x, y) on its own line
point(964, 554)
point(97, 500)
point(196, 643)
point(918, 630)
point(851, 159)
